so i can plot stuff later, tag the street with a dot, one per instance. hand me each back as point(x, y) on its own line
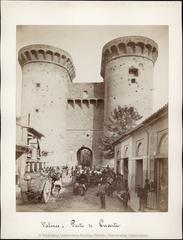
point(73, 203)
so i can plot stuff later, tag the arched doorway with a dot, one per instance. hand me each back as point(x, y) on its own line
point(125, 166)
point(118, 163)
point(161, 174)
point(139, 165)
point(84, 157)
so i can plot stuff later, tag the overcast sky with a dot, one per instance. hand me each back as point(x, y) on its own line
point(84, 44)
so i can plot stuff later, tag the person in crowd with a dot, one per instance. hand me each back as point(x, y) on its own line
point(151, 200)
point(109, 186)
point(142, 198)
point(125, 197)
point(118, 182)
point(112, 172)
point(104, 174)
point(146, 191)
point(107, 168)
point(72, 172)
point(101, 193)
point(56, 177)
point(87, 172)
point(66, 170)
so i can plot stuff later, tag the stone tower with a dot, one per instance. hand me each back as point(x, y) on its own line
point(127, 69)
point(46, 73)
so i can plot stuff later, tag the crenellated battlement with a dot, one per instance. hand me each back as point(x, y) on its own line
point(129, 46)
point(85, 102)
point(48, 54)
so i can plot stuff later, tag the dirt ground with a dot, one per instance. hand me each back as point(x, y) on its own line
point(73, 203)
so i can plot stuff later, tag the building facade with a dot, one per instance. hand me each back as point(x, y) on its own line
point(28, 150)
point(72, 115)
point(142, 154)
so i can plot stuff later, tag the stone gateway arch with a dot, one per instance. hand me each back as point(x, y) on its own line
point(84, 157)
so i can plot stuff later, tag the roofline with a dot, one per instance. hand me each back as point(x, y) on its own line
point(144, 122)
point(159, 111)
point(35, 132)
point(32, 130)
point(21, 148)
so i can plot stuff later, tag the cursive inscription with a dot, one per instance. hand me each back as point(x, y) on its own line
point(49, 225)
point(108, 225)
point(75, 224)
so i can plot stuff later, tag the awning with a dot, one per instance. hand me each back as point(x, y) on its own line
point(34, 132)
point(21, 148)
point(31, 130)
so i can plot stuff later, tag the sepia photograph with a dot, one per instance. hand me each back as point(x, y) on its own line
point(91, 124)
point(92, 119)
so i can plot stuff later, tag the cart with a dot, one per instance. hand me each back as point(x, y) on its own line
point(35, 187)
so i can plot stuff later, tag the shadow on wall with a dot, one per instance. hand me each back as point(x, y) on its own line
point(98, 90)
point(98, 120)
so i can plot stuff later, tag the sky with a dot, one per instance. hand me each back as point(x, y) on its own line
point(85, 43)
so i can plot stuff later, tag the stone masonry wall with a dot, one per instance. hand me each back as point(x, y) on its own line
point(46, 73)
point(85, 109)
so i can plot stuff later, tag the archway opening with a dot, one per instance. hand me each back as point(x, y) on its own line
point(84, 157)
point(161, 174)
point(139, 166)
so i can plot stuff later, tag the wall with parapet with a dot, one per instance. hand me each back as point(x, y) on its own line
point(85, 110)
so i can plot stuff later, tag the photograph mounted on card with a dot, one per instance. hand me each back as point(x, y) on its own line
point(92, 118)
point(91, 128)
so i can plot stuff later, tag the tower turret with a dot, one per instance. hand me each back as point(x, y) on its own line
point(46, 72)
point(127, 69)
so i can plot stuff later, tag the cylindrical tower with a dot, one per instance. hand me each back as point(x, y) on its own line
point(127, 69)
point(46, 73)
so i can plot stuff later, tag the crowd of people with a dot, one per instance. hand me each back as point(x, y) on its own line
point(106, 180)
point(93, 175)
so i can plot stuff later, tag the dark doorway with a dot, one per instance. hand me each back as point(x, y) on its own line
point(118, 167)
point(35, 166)
point(139, 173)
point(84, 157)
point(161, 183)
point(125, 172)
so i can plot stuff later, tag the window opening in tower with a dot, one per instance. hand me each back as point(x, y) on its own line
point(134, 71)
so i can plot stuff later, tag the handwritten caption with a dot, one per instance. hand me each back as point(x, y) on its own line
point(76, 224)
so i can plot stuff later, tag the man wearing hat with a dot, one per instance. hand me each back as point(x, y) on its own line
point(101, 192)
